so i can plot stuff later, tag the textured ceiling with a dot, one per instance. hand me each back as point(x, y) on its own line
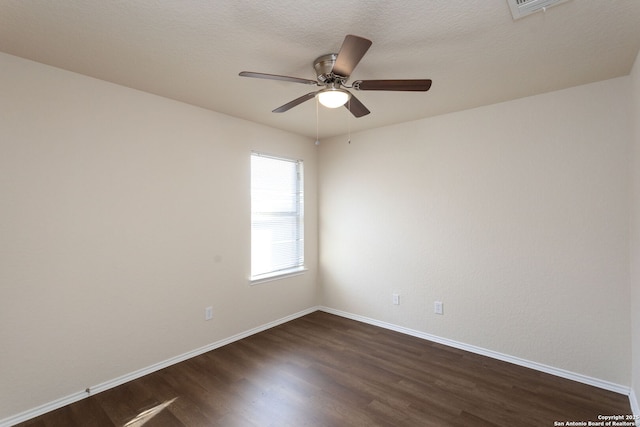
point(192, 50)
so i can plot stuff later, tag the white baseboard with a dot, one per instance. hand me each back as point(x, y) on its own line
point(43, 409)
point(489, 353)
point(74, 397)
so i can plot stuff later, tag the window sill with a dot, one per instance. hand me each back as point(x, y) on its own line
point(269, 277)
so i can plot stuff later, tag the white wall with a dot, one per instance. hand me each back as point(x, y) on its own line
point(635, 236)
point(122, 215)
point(514, 215)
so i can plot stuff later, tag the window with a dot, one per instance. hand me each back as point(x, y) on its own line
point(277, 229)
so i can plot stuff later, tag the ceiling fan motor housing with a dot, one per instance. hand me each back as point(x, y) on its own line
point(324, 67)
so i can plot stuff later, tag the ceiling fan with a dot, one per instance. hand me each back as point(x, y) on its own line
point(333, 71)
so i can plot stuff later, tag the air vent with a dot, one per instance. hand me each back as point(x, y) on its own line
point(522, 8)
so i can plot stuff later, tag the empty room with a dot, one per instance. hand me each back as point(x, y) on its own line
point(441, 229)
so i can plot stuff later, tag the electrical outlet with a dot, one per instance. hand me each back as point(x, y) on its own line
point(396, 299)
point(208, 313)
point(437, 307)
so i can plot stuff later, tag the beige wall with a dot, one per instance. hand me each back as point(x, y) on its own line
point(122, 216)
point(635, 235)
point(514, 215)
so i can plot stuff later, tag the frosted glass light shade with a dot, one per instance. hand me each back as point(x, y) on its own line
point(333, 98)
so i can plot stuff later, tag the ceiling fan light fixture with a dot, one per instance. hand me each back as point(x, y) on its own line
point(333, 97)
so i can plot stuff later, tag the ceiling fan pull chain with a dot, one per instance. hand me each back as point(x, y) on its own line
point(349, 122)
point(317, 124)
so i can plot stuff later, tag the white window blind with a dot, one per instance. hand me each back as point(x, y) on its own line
point(277, 207)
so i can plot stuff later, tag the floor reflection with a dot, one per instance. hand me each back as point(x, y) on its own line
point(145, 416)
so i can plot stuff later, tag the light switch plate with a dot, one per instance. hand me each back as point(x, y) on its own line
point(437, 307)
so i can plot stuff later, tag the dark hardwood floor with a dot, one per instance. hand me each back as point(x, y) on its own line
point(324, 370)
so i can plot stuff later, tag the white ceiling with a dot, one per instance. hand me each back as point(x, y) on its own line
point(193, 50)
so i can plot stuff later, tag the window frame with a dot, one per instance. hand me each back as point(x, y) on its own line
point(298, 214)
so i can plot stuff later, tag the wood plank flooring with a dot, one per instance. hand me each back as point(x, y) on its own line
point(324, 370)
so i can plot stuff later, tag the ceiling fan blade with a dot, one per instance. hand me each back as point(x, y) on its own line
point(277, 77)
point(297, 101)
point(356, 107)
point(403, 85)
point(352, 50)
